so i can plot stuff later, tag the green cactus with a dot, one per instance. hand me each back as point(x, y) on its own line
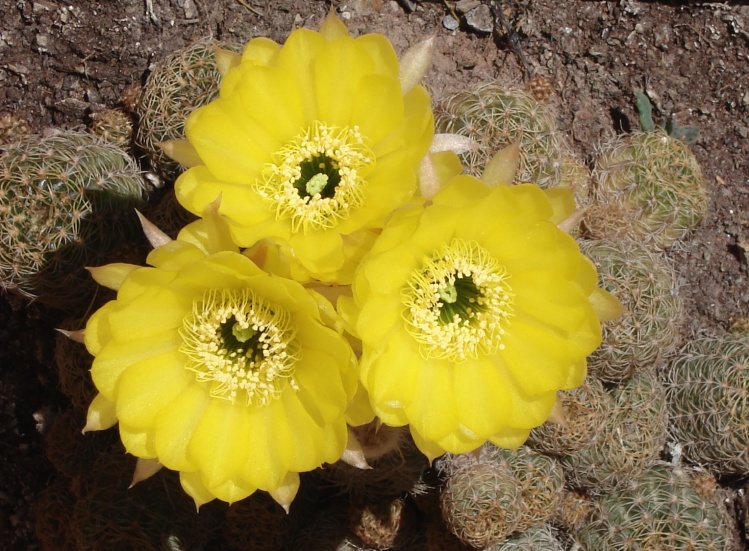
point(585, 410)
point(539, 538)
point(479, 504)
point(495, 116)
point(708, 402)
point(65, 202)
point(648, 330)
point(662, 509)
point(630, 441)
point(185, 80)
point(383, 523)
point(114, 126)
point(528, 487)
point(649, 186)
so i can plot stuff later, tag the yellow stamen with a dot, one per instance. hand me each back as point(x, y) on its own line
point(318, 177)
point(241, 345)
point(459, 303)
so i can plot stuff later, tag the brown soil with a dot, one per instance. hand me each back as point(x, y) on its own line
point(62, 62)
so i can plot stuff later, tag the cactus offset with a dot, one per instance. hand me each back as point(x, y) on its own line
point(660, 510)
point(708, 401)
point(649, 186)
point(188, 78)
point(65, 202)
point(647, 332)
point(630, 441)
point(495, 117)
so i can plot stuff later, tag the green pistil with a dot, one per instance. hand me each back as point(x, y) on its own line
point(460, 298)
point(238, 340)
point(319, 175)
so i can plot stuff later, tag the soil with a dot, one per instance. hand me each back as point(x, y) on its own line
point(62, 62)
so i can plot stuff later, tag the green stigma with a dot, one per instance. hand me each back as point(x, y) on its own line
point(448, 294)
point(242, 334)
point(316, 184)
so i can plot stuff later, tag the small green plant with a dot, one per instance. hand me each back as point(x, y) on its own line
point(66, 202)
point(186, 79)
point(648, 330)
point(688, 134)
point(664, 508)
point(114, 126)
point(495, 117)
point(708, 402)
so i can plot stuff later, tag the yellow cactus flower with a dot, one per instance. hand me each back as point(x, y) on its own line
point(214, 368)
point(310, 143)
point(473, 312)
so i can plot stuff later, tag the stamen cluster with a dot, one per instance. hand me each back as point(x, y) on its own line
point(317, 178)
point(241, 344)
point(459, 304)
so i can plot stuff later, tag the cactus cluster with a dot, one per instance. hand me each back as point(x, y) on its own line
point(495, 116)
point(494, 493)
point(708, 402)
point(661, 509)
point(648, 330)
point(186, 79)
point(630, 441)
point(61, 198)
point(649, 186)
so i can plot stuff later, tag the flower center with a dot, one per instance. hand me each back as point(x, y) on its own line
point(318, 177)
point(459, 303)
point(240, 345)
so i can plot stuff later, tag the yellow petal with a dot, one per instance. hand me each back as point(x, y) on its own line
point(377, 107)
point(510, 439)
point(101, 414)
point(321, 390)
point(145, 387)
point(502, 167)
point(415, 62)
point(182, 151)
point(226, 60)
point(117, 356)
point(433, 412)
point(482, 398)
point(271, 444)
point(606, 305)
point(332, 27)
point(112, 275)
point(137, 442)
point(381, 52)
point(219, 445)
point(286, 492)
point(338, 69)
point(194, 487)
point(175, 424)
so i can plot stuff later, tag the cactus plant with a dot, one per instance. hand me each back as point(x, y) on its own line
point(65, 202)
point(479, 504)
point(630, 441)
point(539, 538)
point(585, 410)
point(469, 487)
point(649, 186)
point(647, 332)
point(186, 79)
point(114, 126)
point(708, 402)
point(495, 116)
point(659, 510)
